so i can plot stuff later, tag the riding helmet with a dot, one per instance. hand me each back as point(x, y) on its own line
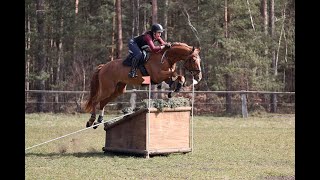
point(157, 28)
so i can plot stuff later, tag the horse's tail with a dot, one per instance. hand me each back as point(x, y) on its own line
point(94, 89)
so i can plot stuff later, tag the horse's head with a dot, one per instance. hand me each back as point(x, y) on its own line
point(192, 64)
point(190, 56)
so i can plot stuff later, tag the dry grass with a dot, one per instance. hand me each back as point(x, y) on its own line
point(224, 148)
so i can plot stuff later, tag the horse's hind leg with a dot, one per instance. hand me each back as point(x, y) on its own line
point(100, 118)
point(101, 114)
point(120, 89)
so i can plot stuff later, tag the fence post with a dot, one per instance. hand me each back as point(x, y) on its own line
point(228, 95)
point(273, 103)
point(133, 98)
point(244, 105)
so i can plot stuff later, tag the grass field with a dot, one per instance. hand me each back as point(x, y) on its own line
point(224, 148)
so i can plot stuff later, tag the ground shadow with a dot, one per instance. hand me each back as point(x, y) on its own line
point(92, 154)
point(85, 154)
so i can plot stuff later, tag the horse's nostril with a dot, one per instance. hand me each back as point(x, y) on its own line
point(199, 77)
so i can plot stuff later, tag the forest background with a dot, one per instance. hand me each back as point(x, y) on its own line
point(245, 44)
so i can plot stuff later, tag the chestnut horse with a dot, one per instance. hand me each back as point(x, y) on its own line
point(109, 80)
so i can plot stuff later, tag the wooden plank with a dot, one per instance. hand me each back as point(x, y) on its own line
point(169, 130)
point(125, 150)
point(130, 134)
point(172, 150)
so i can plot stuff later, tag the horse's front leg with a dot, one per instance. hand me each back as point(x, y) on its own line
point(176, 81)
point(176, 85)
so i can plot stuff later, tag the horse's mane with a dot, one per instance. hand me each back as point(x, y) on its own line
point(179, 44)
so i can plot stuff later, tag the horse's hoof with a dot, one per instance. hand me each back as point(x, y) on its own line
point(178, 87)
point(95, 127)
point(88, 125)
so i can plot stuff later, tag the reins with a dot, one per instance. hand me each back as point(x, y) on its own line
point(163, 55)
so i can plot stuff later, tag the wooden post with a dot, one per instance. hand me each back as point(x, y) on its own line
point(148, 123)
point(244, 105)
point(133, 98)
point(228, 95)
point(273, 103)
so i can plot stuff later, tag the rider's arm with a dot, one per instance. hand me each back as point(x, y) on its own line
point(161, 41)
point(149, 41)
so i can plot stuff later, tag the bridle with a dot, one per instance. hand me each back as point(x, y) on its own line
point(193, 72)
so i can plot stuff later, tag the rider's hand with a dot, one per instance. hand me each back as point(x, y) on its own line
point(168, 45)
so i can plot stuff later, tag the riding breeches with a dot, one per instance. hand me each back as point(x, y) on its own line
point(135, 50)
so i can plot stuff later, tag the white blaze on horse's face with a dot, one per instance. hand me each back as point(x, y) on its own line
point(198, 60)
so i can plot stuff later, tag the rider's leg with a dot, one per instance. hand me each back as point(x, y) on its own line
point(133, 71)
point(137, 55)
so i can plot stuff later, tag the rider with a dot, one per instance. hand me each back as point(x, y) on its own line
point(139, 42)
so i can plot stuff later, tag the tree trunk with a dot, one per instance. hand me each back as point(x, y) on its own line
point(154, 11)
point(226, 35)
point(134, 15)
point(119, 29)
point(41, 54)
point(264, 4)
point(77, 6)
point(138, 18)
point(227, 76)
point(264, 8)
point(273, 97)
point(251, 19)
point(28, 58)
point(57, 71)
point(273, 65)
point(145, 18)
point(165, 23)
point(113, 33)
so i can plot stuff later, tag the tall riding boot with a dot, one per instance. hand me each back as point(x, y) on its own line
point(133, 71)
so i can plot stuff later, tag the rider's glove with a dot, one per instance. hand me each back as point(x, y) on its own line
point(168, 45)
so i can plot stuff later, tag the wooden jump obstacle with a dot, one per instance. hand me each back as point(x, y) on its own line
point(154, 133)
